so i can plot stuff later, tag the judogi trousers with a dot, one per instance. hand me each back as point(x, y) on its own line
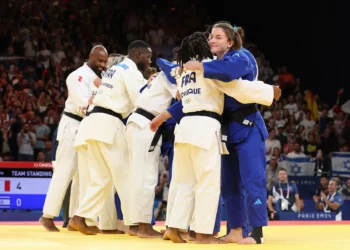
point(244, 181)
point(171, 196)
point(108, 216)
point(143, 172)
point(65, 168)
point(108, 167)
point(196, 174)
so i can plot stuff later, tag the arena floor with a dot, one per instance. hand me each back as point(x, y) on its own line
point(279, 236)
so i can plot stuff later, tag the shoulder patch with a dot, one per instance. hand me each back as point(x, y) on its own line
point(80, 78)
point(124, 66)
point(236, 55)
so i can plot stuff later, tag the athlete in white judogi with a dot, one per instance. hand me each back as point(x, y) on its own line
point(79, 84)
point(108, 219)
point(198, 147)
point(144, 158)
point(107, 146)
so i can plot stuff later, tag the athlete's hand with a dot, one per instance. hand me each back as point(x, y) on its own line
point(276, 92)
point(97, 82)
point(151, 78)
point(158, 120)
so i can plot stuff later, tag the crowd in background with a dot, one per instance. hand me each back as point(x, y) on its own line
point(49, 39)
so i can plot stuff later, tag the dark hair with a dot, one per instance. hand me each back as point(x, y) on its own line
point(175, 50)
point(138, 44)
point(193, 46)
point(235, 34)
point(324, 176)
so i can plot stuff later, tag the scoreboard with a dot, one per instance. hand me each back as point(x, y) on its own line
point(23, 185)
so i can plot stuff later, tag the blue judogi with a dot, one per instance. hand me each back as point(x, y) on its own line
point(243, 170)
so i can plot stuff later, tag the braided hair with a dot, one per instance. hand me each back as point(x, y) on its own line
point(194, 46)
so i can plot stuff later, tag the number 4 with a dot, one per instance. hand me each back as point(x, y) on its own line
point(19, 186)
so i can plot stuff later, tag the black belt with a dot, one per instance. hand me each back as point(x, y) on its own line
point(210, 114)
point(159, 132)
point(73, 116)
point(239, 116)
point(98, 109)
point(145, 113)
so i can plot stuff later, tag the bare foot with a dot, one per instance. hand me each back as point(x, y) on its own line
point(147, 231)
point(133, 230)
point(234, 236)
point(191, 235)
point(116, 231)
point(207, 239)
point(69, 228)
point(173, 235)
point(250, 240)
point(122, 227)
point(48, 224)
point(94, 229)
point(79, 224)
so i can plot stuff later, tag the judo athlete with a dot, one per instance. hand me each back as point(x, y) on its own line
point(251, 76)
point(108, 216)
point(144, 153)
point(258, 93)
point(107, 147)
point(79, 84)
point(197, 159)
point(244, 168)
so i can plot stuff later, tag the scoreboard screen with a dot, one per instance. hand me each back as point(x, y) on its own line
point(23, 185)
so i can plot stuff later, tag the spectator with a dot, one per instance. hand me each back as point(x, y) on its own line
point(284, 196)
point(324, 120)
point(307, 122)
point(271, 143)
point(42, 133)
point(332, 201)
point(48, 150)
point(40, 157)
point(345, 191)
point(281, 137)
point(311, 146)
point(323, 188)
point(296, 151)
point(26, 143)
point(271, 173)
point(292, 107)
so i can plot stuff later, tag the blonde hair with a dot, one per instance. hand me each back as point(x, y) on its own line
point(114, 59)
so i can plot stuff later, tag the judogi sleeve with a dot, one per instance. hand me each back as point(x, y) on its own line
point(79, 89)
point(176, 111)
point(246, 91)
point(227, 69)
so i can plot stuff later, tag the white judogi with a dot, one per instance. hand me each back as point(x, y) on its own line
point(107, 146)
point(155, 98)
point(195, 188)
point(79, 83)
point(108, 216)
